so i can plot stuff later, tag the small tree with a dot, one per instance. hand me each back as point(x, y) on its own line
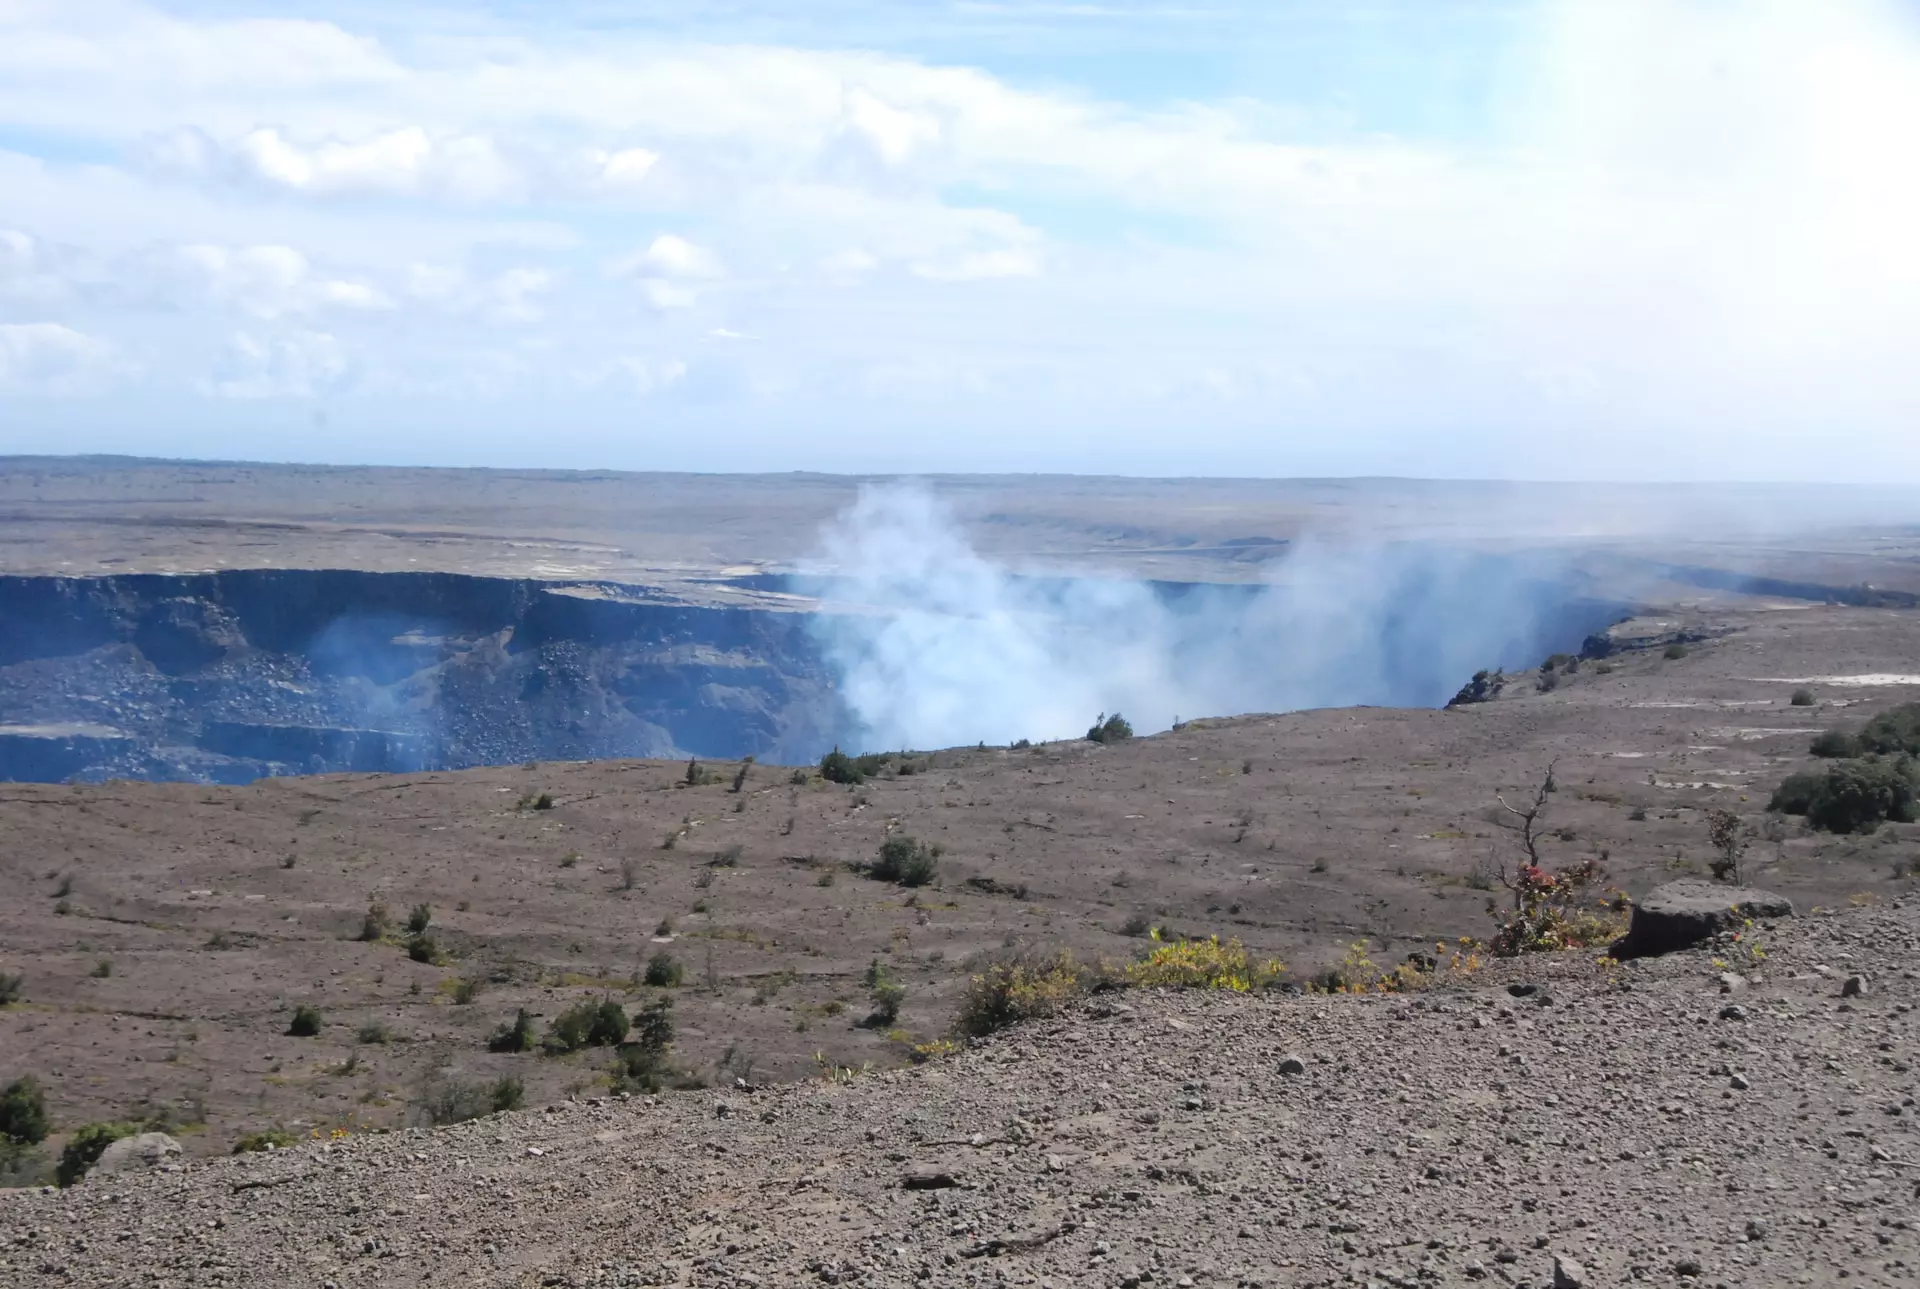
point(420, 918)
point(1528, 826)
point(905, 861)
point(642, 1061)
point(23, 1112)
point(664, 971)
point(837, 767)
point(887, 994)
point(1110, 729)
point(516, 1037)
point(1728, 840)
point(740, 775)
point(373, 928)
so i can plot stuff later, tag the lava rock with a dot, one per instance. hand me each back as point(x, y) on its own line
point(1568, 1274)
point(929, 1178)
point(1854, 987)
point(1682, 914)
point(137, 1154)
point(1292, 1065)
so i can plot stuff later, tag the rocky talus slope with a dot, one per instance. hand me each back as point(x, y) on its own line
point(1665, 1122)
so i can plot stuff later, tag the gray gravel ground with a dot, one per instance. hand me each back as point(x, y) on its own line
point(1653, 1122)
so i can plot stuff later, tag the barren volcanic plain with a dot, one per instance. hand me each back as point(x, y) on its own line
point(165, 934)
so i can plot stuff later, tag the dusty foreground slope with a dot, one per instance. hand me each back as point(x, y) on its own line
point(1638, 1122)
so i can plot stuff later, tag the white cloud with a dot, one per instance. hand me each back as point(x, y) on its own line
point(262, 281)
point(651, 375)
point(47, 358)
point(297, 364)
point(1012, 262)
point(670, 271)
point(1671, 220)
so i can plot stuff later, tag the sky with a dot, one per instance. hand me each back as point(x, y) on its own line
point(1570, 239)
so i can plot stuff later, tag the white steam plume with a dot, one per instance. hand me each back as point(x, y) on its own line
point(936, 646)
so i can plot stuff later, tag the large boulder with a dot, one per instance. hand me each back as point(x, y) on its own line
point(140, 1153)
point(1682, 914)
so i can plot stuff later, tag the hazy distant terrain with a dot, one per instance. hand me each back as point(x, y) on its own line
point(64, 515)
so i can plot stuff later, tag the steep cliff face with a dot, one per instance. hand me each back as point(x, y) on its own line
point(231, 676)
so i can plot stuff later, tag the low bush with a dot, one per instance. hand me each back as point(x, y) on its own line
point(1674, 652)
point(1802, 698)
point(640, 1064)
point(514, 1037)
point(373, 1032)
point(419, 918)
point(375, 925)
point(1852, 796)
point(1110, 729)
point(23, 1112)
point(11, 987)
point(86, 1145)
point(1558, 910)
point(421, 948)
point(457, 1102)
point(265, 1139)
point(1024, 987)
point(1204, 964)
point(306, 1022)
point(887, 994)
point(905, 861)
point(837, 767)
point(664, 971)
point(1894, 732)
point(1834, 745)
point(587, 1024)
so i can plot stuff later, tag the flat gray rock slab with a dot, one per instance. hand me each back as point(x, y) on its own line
point(1682, 914)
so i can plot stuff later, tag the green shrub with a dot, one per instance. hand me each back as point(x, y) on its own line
point(1796, 793)
point(421, 948)
point(587, 1024)
point(1674, 652)
point(22, 1166)
point(1894, 733)
point(1835, 745)
point(373, 927)
point(86, 1145)
point(1110, 729)
point(905, 861)
point(543, 802)
point(837, 767)
point(265, 1139)
point(641, 1064)
point(1023, 987)
point(1802, 698)
point(23, 1112)
point(515, 1037)
point(420, 918)
point(306, 1022)
point(466, 990)
point(664, 971)
point(1858, 795)
point(456, 1102)
point(887, 994)
point(10, 988)
point(373, 1032)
